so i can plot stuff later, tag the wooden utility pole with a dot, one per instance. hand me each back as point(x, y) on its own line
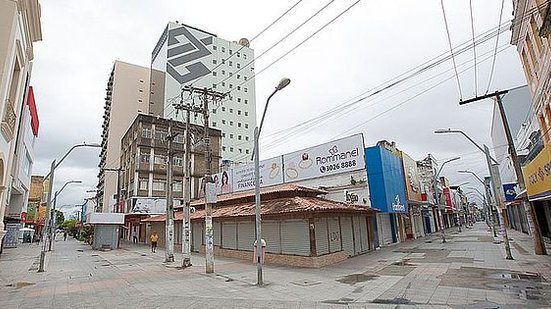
point(539, 246)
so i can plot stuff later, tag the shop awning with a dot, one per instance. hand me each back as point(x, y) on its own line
point(34, 113)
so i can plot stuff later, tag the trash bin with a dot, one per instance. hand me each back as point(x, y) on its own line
point(263, 253)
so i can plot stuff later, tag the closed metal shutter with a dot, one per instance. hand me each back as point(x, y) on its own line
point(357, 235)
point(295, 237)
point(347, 235)
point(270, 233)
point(363, 234)
point(322, 243)
point(177, 232)
point(385, 232)
point(216, 231)
point(245, 236)
point(419, 230)
point(229, 236)
point(334, 235)
point(197, 236)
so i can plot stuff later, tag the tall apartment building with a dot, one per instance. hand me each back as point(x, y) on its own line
point(532, 36)
point(20, 27)
point(187, 56)
point(127, 95)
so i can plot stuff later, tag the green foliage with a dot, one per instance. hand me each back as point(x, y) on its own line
point(59, 218)
point(70, 225)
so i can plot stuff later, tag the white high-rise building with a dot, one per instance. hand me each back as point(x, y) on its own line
point(187, 56)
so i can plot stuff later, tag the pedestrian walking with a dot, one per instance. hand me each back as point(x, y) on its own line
point(65, 236)
point(134, 236)
point(154, 238)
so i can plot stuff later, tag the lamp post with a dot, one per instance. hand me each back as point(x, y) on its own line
point(53, 221)
point(496, 181)
point(259, 280)
point(53, 166)
point(486, 197)
point(437, 198)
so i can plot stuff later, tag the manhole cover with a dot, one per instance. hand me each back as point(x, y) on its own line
point(355, 278)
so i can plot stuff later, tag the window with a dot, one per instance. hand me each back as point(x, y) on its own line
point(143, 184)
point(245, 77)
point(231, 86)
point(239, 137)
point(238, 54)
point(238, 87)
point(223, 148)
point(252, 69)
point(177, 186)
point(144, 158)
point(179, 138)
point(231, 149)
point(245, 89)
point(231, 110)
point(160, 159)
point(231, 74)
point(223, 134)
point(239, 124)
point(223, 84)
point(238, 66)
point(161, 135)
point(223, 121)
point(214, 47)
point(238, 100)
point(223, 49)
point(246, 138)
point(214, 124)
point(223, 109)
point(26, 164)
point(140, 100)
point(246, 101)
point(213, 61)
point(223, 72)
point(146, 133)
point(213, 85)
point(231, 135)
point(239, 112)
point(247, 151)
point(223, 61)
point(141, 90)
point(177, 161)
point(231, 51)
point(244, 56)
point(214, 111)
point(231, 64)
point(238, 76)
point(246, 113)
point(231, 98)
point(159, 185)
point(231, 123)
point(141, 80)
point(246, 126)
point(213, 73)
point(240, 150)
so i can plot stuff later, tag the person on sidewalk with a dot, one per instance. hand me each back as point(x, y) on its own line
point(154, 238)
point(65, 236)
point(134, 236)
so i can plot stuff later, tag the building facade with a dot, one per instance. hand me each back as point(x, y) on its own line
point(20, 27)
point(143, 161)
point(187, 56)
point(127, 95)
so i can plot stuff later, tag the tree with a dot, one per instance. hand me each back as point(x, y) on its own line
point(69, 224)
point(59, 218)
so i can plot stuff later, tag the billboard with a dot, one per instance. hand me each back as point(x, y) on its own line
point(151, 205)
point(411, 178)
point(340, 156)
point(510, 190)
point(271, 173)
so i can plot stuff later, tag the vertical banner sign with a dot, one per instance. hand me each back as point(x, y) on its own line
point(340, 156)
point(270, 174)
point(510, 190)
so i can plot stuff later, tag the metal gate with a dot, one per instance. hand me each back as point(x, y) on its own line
point(270, 233)
point(334, 235)
point(363, 234)
point(322, 241)
point(384, 228)
point(197, 236)
point(347, 235)
point(245, 235)
point(229, 235)
point(295, 237)
point(216, 230)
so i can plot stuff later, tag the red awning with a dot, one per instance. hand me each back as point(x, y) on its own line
point(32, 109)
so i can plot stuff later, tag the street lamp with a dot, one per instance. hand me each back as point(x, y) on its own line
point(53, 221)
point(496, 181)
point(259, 281)
point(53, 166)
point(488, 201)
point(437, 199)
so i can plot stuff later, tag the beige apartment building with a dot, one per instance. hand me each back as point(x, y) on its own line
point(532, 36)
point(127, 95)
point(20, 27)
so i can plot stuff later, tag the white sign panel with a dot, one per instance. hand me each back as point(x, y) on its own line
point(151, 205)
point(340, 156)
point(270, 174)
point(211, 193)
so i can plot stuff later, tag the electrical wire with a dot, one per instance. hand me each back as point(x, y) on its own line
point(495, 50)
point(451, 49)
point(474, 48)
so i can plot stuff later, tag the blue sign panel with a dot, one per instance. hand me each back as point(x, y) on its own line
point(510, 190)
point(386, 180)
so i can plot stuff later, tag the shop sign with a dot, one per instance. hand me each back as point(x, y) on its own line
point(510, 190)
point(537, 175)
point(411, 177)
point(271, 173)
point(340, 156)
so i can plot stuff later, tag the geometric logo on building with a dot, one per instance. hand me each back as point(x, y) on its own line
point(186, 57)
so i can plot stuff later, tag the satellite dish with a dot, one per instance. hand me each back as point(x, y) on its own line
point(244, 42)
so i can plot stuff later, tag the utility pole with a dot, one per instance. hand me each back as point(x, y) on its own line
point(206, 96)
point(186, 235)
point(46, 228)
point(539, 246)
point(169, 224)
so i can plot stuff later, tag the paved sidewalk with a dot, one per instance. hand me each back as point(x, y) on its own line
point(469, 271)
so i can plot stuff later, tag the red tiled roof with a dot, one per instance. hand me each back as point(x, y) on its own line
point(285, 205)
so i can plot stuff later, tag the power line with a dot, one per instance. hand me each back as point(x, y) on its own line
point(495, 49)
point(451, 49)
point(474, 48)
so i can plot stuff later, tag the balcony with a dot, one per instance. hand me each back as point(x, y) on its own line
point(9, 121)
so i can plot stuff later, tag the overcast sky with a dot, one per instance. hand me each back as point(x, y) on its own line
point(374, 42)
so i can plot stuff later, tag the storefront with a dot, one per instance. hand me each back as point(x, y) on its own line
point(388, 194)
point(537, 176)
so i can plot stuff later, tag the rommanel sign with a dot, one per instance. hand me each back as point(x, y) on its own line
point(340, 156)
